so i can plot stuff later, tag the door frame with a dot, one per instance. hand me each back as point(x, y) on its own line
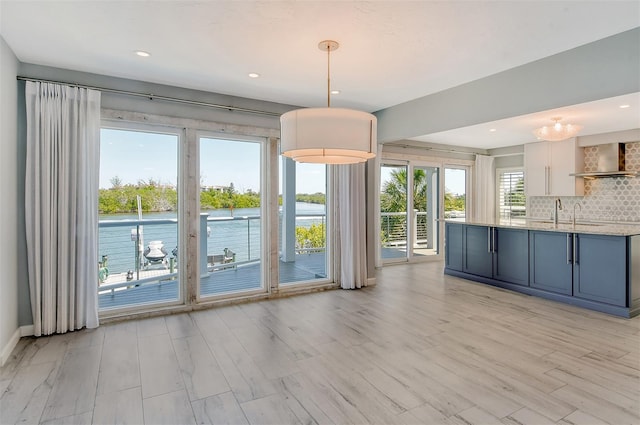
point(441, 163)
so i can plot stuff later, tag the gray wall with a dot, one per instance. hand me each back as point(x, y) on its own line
point(24, 299)
point(598, 70)
point(11, 209)
point(508, 157)
point(160, 107)
point(514, 161)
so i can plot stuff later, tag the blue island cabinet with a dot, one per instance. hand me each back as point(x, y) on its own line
point(453, 248)
point(551, 261)
point(478, 252)
point(510, 255)
point(600, 268)
point(493, 252)
point(596, 271)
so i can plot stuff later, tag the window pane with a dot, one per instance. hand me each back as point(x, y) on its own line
point(511, 197)
point(455, 194)
point(303, 223)
point(393, 211)
point(138, 212)
point(231, 219)
point(425, 211)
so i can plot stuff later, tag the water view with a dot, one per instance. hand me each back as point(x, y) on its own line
point(240, 233)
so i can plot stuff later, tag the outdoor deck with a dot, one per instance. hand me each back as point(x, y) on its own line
point(229, 280)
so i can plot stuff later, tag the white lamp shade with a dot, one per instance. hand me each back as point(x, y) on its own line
point(328, 135)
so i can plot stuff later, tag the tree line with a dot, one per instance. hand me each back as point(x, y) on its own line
point(156, 197)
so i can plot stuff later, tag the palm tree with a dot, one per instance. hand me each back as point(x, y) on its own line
point(394, 191)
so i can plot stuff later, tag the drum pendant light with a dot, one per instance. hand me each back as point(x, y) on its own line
point(328, 135)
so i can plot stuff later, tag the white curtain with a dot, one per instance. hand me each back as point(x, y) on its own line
point(485, 189)
point(350, 247)
point(61, 191)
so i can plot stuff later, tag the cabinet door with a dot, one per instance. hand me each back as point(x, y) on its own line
point(550, 258)
point(536, 161)
point(565, 158)
point(600, 268)
point(453, 246)
point(478, 258)
point(511, 255)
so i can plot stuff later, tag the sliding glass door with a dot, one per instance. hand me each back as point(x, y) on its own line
point(455, 193)
point(231, 216)
point(409, 211)
point(393, 212)
point(138, 218)
point(303, 225)
point(425, 212)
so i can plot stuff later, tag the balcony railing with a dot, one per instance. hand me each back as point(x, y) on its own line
point(229, 242)
point(394, 228)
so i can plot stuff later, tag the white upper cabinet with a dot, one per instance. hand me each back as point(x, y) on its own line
point(536, 167)
point(547, 166)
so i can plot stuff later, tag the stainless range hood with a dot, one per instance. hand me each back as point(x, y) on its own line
point(610, 163)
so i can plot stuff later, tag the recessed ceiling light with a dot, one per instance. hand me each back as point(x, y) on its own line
point(335, 91)
point(253, 75)
point(143, 53)
point(492, 130)
point(624, 106)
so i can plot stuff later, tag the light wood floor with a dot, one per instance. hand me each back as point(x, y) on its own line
point(419, 348)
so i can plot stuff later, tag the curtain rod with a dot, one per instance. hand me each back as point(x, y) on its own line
point(455, 151)
point(502, 155)
point(151, 96)
point(429, 148)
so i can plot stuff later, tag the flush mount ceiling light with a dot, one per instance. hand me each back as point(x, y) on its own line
point(328, 135)
point(142, 53)
point(557, 131)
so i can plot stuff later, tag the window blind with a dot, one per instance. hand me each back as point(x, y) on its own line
point(511, 198)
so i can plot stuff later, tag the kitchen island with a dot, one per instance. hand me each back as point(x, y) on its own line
point(590, 265)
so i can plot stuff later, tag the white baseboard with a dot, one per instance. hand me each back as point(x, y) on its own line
point(7, 349)
point(26, 330)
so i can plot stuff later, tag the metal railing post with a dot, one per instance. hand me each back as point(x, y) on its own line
point(248, 239)
point(137, 251)
point(204, 270)
point(388, 230)
point(414, 232)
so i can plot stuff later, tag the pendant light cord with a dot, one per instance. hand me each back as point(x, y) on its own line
point(328, 76)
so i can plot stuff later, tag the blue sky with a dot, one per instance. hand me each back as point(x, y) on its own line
point(134, 156)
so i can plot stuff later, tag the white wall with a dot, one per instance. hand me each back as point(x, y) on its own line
point(9, 332)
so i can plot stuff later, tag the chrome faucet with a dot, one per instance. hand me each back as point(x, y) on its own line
point(577, 204)
point(557, 207)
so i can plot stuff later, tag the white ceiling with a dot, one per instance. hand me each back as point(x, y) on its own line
point(602, 116)
point(391, 51)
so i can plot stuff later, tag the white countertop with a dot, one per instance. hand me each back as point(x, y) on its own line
point(604, 228)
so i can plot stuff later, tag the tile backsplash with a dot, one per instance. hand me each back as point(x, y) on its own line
point(611, 199)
